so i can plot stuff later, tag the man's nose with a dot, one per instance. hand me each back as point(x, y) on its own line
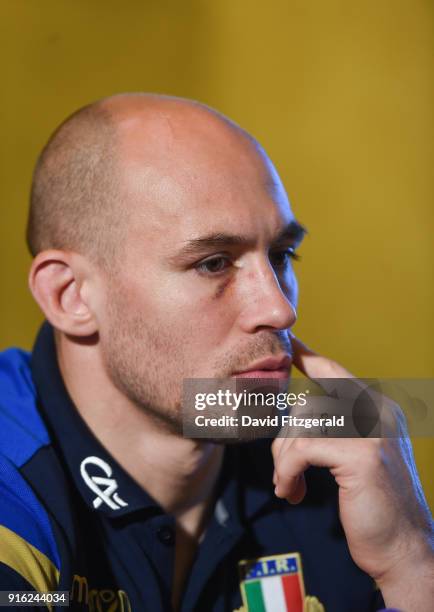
point(267, 306)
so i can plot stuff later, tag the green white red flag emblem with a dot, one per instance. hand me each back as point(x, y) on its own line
point(272, 584)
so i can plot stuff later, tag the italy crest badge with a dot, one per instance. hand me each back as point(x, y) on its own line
point(274, 584)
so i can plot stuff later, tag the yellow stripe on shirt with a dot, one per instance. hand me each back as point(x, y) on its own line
point(28, 561)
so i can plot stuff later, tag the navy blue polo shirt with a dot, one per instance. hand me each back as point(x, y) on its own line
point(74, 520)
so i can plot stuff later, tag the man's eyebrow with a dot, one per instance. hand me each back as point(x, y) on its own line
point(293, 232)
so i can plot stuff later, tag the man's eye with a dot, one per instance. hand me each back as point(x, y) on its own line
point(214, 265)
point(280, 259)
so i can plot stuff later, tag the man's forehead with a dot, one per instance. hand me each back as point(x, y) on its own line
point(183, 182)
point(209, 177)
point(215, 225)
point(258, 216)
point(172, 212)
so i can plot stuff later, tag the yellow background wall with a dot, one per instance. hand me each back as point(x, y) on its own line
point(341, 95)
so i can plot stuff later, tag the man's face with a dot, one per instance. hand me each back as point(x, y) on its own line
point(205, 283)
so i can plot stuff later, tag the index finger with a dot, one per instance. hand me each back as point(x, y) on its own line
point(313, 365)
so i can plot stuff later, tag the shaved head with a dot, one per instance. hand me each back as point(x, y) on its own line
point(76, 200)
point(73, 188)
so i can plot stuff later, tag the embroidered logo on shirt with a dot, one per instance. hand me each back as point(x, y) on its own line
point(104, 487)
point(275, 584)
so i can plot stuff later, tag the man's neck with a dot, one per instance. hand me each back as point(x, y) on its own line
point(180, 474)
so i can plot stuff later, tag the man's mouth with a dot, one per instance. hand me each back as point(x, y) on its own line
point(270, 367)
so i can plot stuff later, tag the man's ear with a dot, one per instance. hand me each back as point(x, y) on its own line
point(57, 280)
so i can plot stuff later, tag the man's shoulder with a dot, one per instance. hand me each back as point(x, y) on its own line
point(22, 430)
point(28, 550)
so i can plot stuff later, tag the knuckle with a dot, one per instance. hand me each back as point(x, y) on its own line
point(300, 444)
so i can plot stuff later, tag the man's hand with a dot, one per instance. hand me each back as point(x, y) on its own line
point(383, 511)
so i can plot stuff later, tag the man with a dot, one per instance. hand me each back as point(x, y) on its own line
point(162, 240)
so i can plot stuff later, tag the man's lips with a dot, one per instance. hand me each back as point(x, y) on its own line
point(270, 367)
